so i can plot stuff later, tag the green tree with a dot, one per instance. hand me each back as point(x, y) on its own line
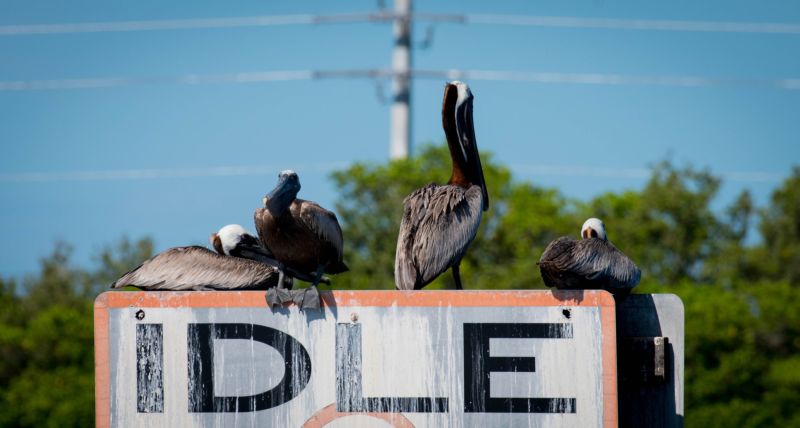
point(47, 338)
point(742, 367)
point(780, 229)
point(668, 228)
point(742, 326)
point(741, 351)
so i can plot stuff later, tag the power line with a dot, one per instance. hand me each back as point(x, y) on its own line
point(186, 79)
point(636, 24)
point(379, 74)
point(254, 170)
point(386, 16)
point(179, 24)
point(633, 173)
point(610, 79)
point(161, 173)
point(401, 73)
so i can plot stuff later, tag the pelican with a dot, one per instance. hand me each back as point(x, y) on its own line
point(300, 234)
point(439, 222)
point(233, 240)
point(197, 268)
point(590, 263)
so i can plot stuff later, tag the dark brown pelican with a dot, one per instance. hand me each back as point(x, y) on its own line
point(301, 235)
point(591, 263)
point(439, 222)
point(197, 268)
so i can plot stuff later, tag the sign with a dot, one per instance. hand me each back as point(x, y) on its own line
point(644, 401)
point(368, 358)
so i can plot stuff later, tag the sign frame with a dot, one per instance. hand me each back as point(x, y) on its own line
point(371, 298)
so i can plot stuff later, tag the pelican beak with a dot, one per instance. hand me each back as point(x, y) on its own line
point(216, 243)
point(465, 131)
point(283, 194)
point(590, 233)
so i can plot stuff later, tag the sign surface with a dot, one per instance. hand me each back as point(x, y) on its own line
point(368, 358)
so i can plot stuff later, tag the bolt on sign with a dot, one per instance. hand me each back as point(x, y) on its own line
point(367, 358)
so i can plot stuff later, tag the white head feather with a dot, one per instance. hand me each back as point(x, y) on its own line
point(229, 237)
point(595, 224)
point(463, 95)
point(463, 92)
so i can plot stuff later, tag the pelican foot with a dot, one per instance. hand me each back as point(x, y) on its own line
point(307, 298)
point(278, 296)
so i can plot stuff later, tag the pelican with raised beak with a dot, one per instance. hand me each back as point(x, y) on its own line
point(301, 235)
point(590, 263)
point(439, 222)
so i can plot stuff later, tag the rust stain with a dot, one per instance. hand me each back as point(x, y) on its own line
point(102, 375)
point(247, 299)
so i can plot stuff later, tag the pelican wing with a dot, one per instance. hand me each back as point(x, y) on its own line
point(323, 223)
point(197, 268)
point(600, 261)
point(438, 224)
point(556, 263)
point(607, 262)
point(558, 252)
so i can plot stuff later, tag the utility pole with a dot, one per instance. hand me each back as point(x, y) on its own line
point(400, 127)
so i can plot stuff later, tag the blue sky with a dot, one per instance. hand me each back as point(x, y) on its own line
point(94, 148)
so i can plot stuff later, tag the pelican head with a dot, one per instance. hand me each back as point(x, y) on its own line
point(227, 238)
point(593, 228)
point(460, 132)
point(233, 240)
point(284, 193)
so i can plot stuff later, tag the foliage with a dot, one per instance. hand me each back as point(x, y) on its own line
point(780, 228)
point(742, 337)
point(673, 210)
point(742, 326)
point(47, 338)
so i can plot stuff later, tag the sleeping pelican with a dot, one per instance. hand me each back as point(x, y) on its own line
point(233, 240)
point(439, 222)
point(591, 263)
point(301, 235)
point(197, 268)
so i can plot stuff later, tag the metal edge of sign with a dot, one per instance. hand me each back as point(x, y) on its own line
point(476, 298)
point(102, 369)
point(608, 320)
point(380, 298)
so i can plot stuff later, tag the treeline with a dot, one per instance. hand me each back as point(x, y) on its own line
point(740, 292)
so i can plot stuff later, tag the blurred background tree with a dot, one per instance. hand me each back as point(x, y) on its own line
point(47, 337)
point(740, 292)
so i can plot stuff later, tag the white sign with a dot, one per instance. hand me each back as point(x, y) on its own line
point(368, 358)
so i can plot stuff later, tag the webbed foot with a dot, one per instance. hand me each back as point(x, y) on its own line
point(278, 296)
point(307, 298)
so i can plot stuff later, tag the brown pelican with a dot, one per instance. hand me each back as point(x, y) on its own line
point(439, 222)
point(197, 268)
point(591, 263)
point(301, 235)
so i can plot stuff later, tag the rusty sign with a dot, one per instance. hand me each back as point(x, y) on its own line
point(368, 358)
